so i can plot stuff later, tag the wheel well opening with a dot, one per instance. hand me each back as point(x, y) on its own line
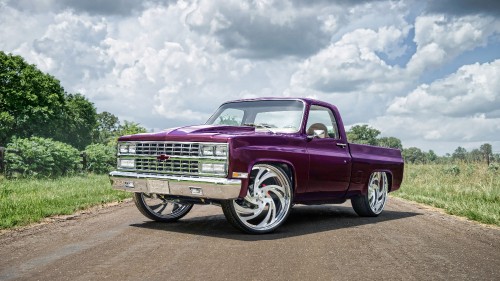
point(389, 180)
point(286, 168)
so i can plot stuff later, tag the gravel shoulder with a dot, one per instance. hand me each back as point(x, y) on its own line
point(408, 241)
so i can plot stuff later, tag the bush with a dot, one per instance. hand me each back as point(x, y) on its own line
point(494, 167)
point(452, 170)
point(100, 158)
point(40, 157)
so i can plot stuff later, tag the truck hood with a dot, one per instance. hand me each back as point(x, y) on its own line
point(215, 133)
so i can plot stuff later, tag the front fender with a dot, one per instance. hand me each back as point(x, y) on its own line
point(244, 158)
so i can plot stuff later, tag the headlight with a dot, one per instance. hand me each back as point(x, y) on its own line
point(131, 149)
point(126, 163)
point(213, 168)
point(214, 150)
point(220, 150)
point(123, 148)
point(127, 148)
point(207, 150)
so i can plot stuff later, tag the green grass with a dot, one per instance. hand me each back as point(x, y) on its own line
point(27, 201)
point(467, 190)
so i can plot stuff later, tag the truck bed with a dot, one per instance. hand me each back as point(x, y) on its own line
point(367, 159)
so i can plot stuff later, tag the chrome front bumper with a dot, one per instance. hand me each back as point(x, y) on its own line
point(203, 187)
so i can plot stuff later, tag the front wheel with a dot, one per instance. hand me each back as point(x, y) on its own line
point(158, 208)
point(267, 203)
point(372, 203)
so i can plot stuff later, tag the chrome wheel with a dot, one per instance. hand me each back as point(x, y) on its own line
point(377, 192)
point(267, 203)
point(373, 202)
point(158, 207)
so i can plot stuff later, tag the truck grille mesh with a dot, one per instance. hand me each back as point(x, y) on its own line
point(168, 166)
point(168, 148)
point(172, 158)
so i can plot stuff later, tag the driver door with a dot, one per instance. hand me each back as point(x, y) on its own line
point(330, 161)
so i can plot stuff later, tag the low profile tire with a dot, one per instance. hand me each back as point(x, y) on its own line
point(373, 202)
point(267, 204)
point(158, 208)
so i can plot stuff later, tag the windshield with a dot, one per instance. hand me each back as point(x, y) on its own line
point(279, 116)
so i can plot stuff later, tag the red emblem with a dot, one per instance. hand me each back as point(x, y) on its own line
point(162, 157)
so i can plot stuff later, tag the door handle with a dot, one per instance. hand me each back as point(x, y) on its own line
point(343, 145)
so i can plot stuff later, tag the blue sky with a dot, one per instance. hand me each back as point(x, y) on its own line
point(423, 71)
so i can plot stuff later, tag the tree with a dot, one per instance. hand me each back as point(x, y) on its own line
point(391, 142)
point(487, 151)
point(431, 156)
point(81, 119)
point(459, 154)
point(31, 102)
point(127, 128)
point(363, 134)
point(106, 127)
point(414, 155)
point(475, 155)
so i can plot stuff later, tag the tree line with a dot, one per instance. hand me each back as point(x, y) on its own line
point(364, 134)
point(33, 103)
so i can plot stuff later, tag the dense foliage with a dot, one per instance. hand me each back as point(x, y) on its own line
point(37, 116)
point(33, 103)
point(81, 121)
point(363, 134)
point(107, 125)
point(100, 158)
point(40, 157)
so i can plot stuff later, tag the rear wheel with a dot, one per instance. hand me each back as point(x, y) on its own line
point(373, 202)
point(267, 204)
point(157, 207)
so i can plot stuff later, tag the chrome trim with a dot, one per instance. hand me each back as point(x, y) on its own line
point(172, 142)
point(211, 188)
point(188, 165)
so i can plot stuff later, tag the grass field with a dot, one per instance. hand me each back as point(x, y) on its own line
point(467, 190)
point(28, 200)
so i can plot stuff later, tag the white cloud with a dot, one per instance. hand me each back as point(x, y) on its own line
point(352, 64)
point(473, 89)
point(455, 110)
point(172, 63)
point(440, 38)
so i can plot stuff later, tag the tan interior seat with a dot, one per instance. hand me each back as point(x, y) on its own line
point(318, 126)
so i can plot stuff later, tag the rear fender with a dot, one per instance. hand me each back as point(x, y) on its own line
point(364, 191)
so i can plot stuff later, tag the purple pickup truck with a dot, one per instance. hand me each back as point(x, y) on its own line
point(256, 158)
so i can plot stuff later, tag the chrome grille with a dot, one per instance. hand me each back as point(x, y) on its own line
point(172, 158)
point(168, 148)
point(169, 166)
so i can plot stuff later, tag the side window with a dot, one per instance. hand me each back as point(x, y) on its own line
point(230, 116)
point(322, 119)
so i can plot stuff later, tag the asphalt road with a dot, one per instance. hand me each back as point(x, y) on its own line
point(329, 242)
